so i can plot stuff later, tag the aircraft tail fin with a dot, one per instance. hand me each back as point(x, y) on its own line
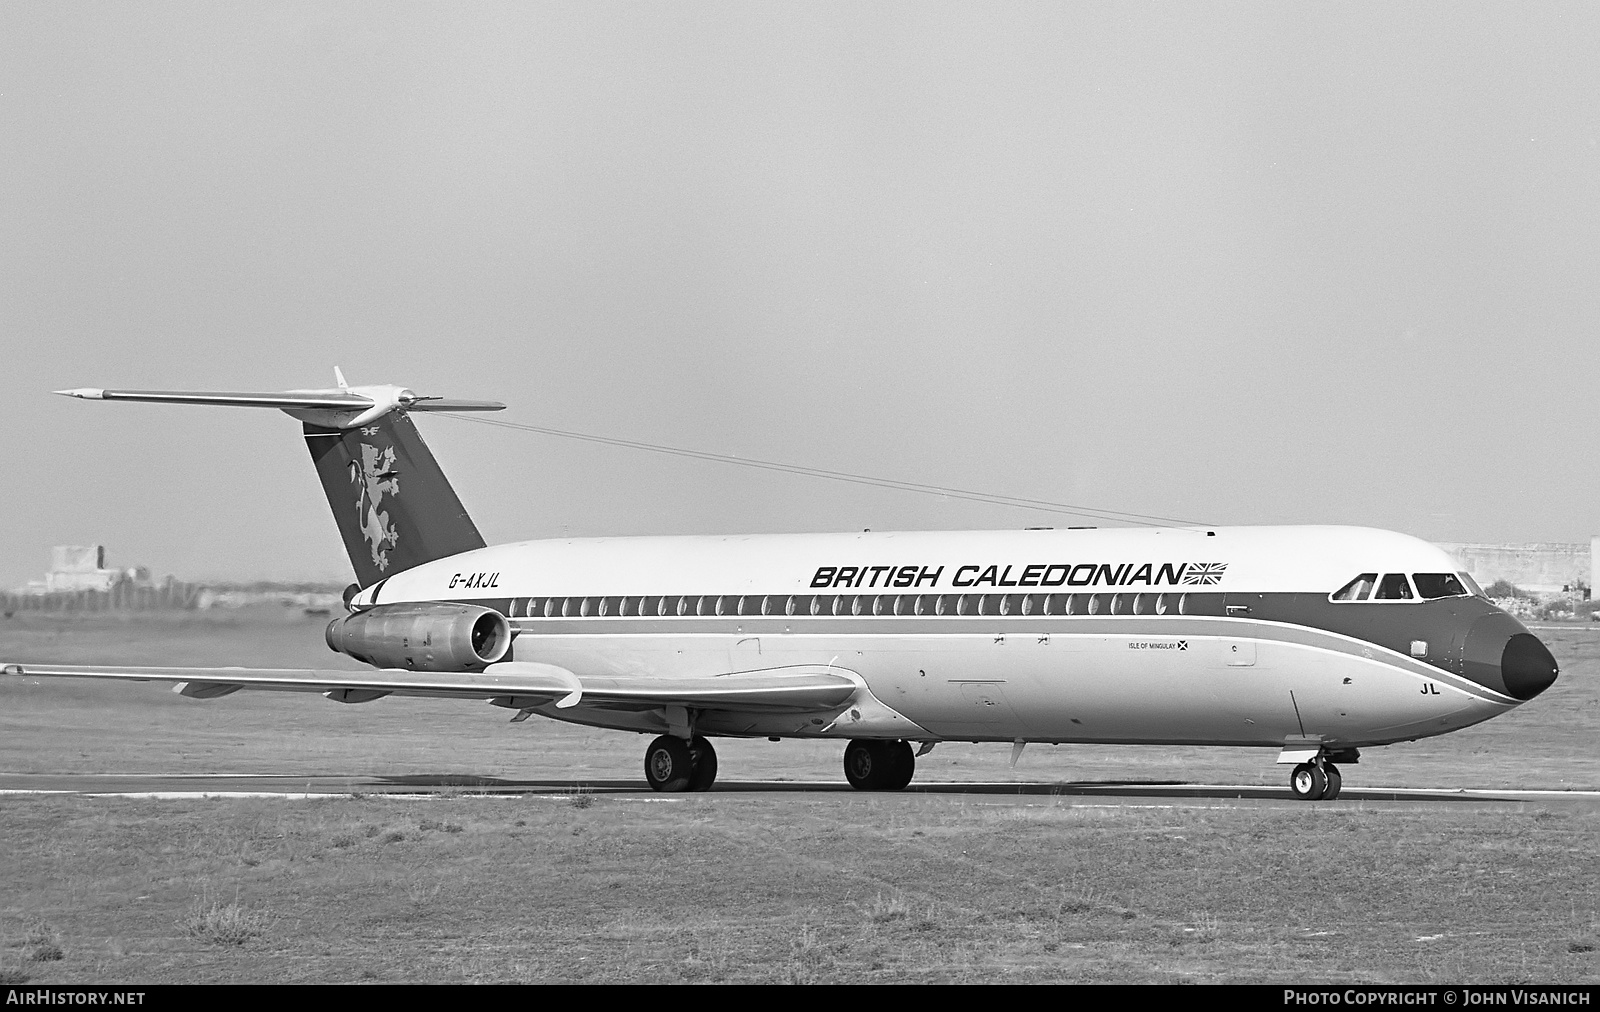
point(394, 507)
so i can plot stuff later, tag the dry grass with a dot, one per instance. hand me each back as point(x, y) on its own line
point(223, 924)
point(41, 943)
point(38, 942)
point(838, 888)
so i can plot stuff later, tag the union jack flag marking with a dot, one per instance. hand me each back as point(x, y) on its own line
point(1204, 572)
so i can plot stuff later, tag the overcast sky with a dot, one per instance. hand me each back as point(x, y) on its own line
point(1242, 264)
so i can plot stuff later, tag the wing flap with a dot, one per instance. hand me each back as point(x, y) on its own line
point(802, 688)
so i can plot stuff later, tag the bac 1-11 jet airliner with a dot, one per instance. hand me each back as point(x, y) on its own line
point(1316, 641)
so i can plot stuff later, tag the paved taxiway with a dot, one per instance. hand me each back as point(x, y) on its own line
point(1116, 792)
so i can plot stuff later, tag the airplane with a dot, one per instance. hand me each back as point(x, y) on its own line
point(1316, 641)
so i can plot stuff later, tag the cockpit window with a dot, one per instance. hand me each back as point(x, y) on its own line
point(1357, 589)
point(1393, 587)
point(1435, 585)
point(1472, 585)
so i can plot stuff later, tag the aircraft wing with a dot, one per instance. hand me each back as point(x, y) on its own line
point(514, 683)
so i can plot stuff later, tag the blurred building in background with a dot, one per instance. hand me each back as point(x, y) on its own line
point(1539, 568)
point(83, 567)
point(79, 580)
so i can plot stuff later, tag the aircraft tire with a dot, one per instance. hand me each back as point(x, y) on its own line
point(668, 764)
point(704, 758)
point(1307, 782)
point(902, 765)
point(1335, 781)
point(865, 764)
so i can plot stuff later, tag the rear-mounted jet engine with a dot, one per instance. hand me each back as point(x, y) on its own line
point(423, 636)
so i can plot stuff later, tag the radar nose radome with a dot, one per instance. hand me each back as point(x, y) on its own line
point(1527, 666)
point(1502, 655)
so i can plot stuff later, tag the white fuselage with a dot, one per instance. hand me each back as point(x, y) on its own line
point(1222, 636)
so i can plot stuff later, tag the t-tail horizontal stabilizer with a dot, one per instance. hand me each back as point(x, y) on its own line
point(394, 507)
point(342, 407)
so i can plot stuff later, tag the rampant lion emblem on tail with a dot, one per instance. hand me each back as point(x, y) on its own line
point(376, 476)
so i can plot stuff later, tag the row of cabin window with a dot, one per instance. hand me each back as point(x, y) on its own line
point(1394, 587)
point(852, 604)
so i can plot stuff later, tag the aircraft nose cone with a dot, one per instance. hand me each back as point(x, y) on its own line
point(1526, 666)
point(1501, 655)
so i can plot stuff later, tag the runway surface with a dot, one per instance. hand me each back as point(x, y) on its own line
point(258, 785)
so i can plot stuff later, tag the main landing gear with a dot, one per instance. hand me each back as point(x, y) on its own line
point(1318, 780)
point(672, 764)
point(879, 765)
